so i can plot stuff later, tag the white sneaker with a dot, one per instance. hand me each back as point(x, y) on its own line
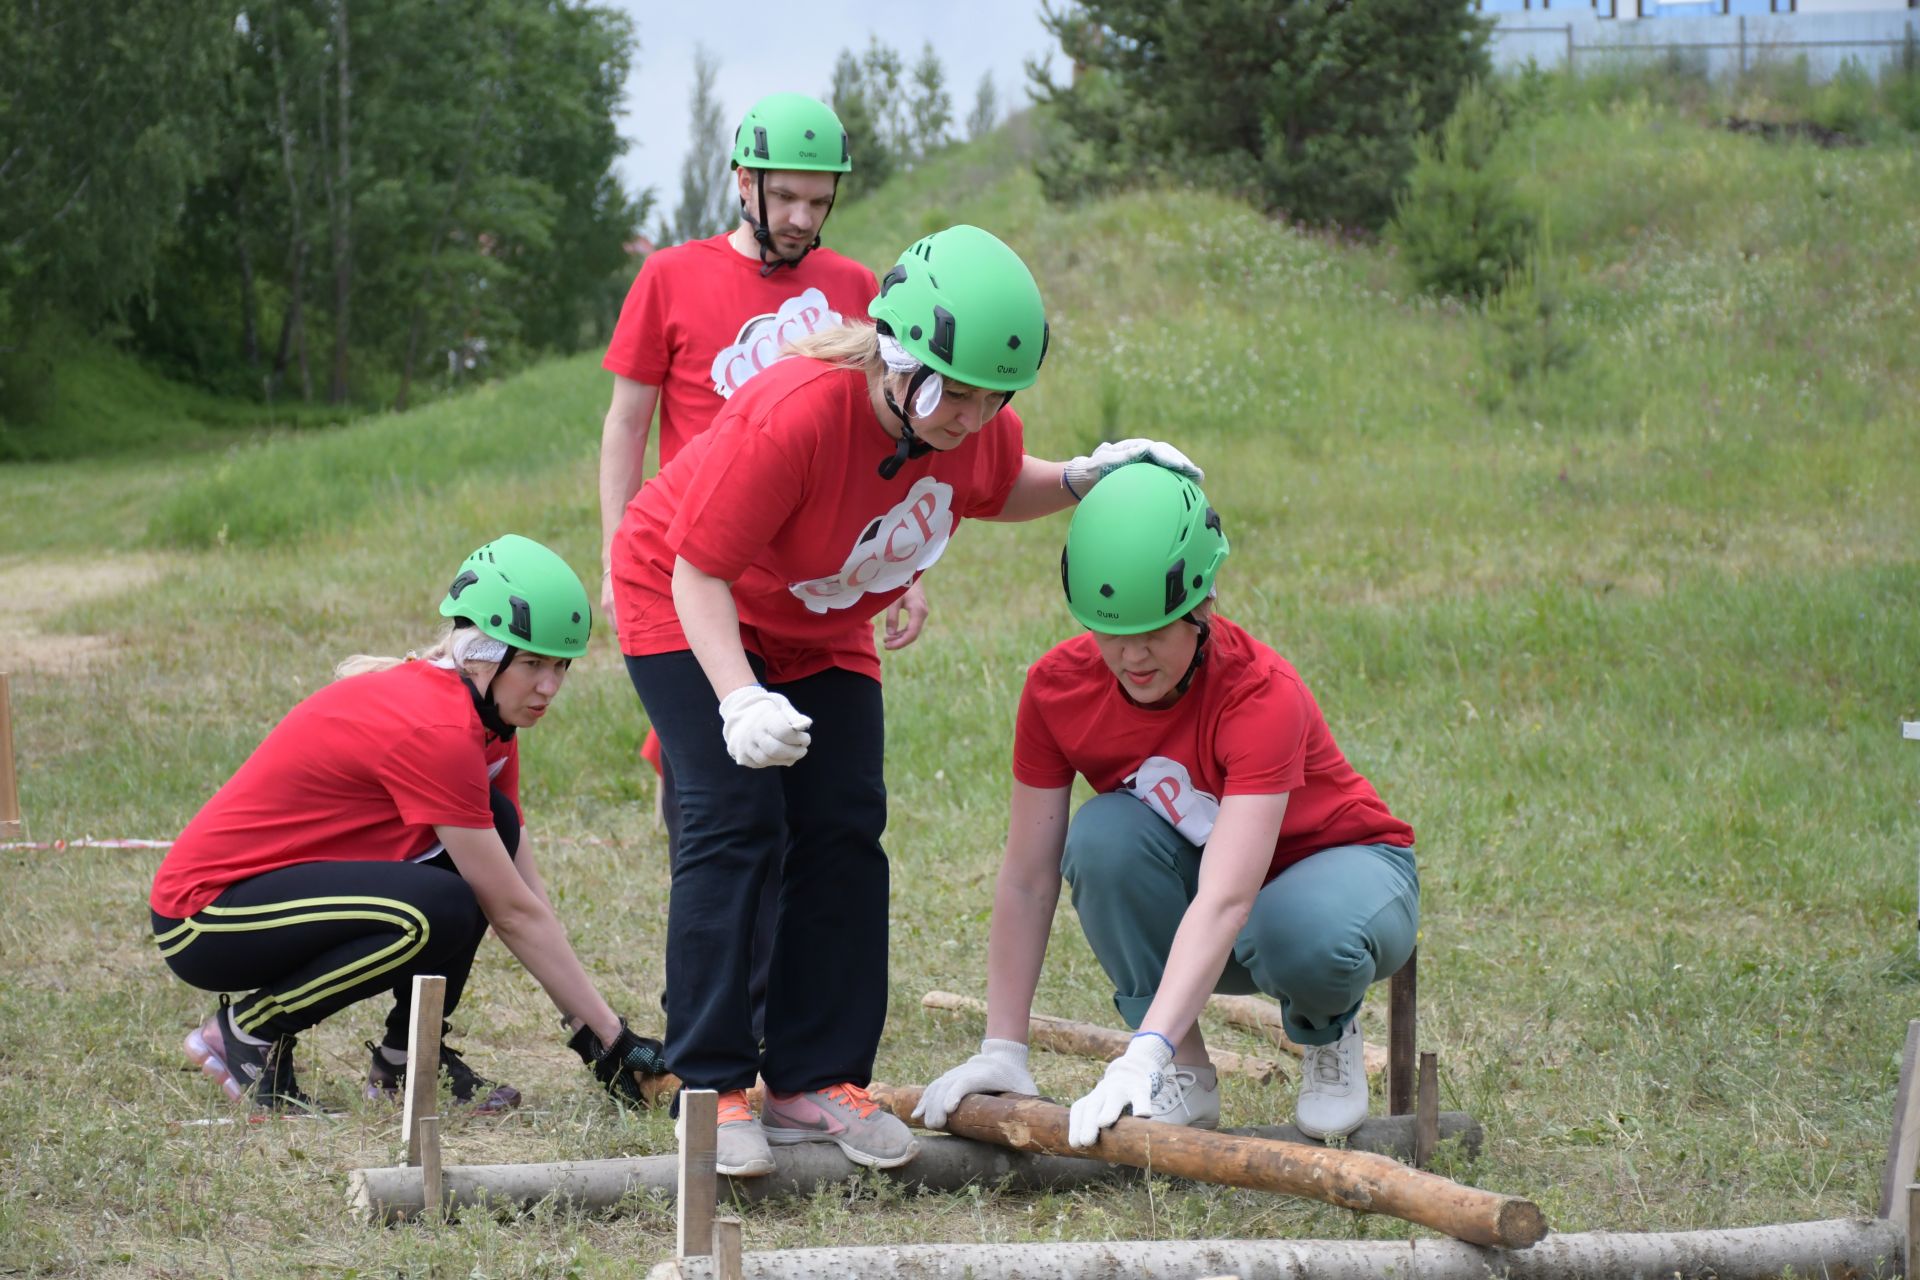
point(1187, 1096)
point(1333, 1086)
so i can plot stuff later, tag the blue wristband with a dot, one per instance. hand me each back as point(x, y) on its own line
point(1157, 1036)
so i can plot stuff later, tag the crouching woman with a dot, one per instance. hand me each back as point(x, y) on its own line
point(1229, 845)
point(375, 835)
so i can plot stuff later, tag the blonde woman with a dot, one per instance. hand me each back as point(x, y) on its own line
point(375, 835)
point(747, 576)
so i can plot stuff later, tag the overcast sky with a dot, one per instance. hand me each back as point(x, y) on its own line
point(771, 48)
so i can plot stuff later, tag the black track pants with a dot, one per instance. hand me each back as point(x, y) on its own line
point(315, 937)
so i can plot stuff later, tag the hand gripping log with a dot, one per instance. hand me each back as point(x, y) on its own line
point(1351, 1179)
point(1087, 1040)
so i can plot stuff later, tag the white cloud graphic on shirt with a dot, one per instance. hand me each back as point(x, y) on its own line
point(1166, 787)
point(889, 551)
point(762, 337)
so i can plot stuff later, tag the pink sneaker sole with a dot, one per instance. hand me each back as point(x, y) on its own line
point(204, 1050)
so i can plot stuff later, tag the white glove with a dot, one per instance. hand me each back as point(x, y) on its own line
point(762, 728)
point(999, 1067)
point(1131, 1081)
point(1085, 472)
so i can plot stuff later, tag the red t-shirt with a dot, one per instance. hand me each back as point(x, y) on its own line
point(783, 498)
point(700, 320)
point(360, 771)
point(1247, 726)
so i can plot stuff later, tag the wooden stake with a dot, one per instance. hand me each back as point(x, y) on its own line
point(1426, 1112)
point(726, 1248)
point(1350, 1179)
point(423, 1061)
point(1403, 992)
point(1904, 1147)
point(430, 1184)
point(699, 1187)
point(1263, 1016)
point(1086, 1040)
point(11, 826)
point(1913, 1231)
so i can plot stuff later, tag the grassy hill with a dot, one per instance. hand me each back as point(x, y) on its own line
point(1627, 639)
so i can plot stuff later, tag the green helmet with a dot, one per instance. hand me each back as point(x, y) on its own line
point(1142, 550)
point(524, 596)
point(963, 304)
point(791, 131)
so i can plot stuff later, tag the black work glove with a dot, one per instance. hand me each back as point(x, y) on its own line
point(617, 1066)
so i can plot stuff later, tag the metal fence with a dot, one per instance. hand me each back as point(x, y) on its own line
point(1721, 44)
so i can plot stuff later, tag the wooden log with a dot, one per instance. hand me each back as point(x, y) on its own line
point(1351, 1179)
point(1841, 1247)
point(387, 1194)
point(423, 1060)
point(11, 826)
point(699, 1183)
point(1088, 1040)
point(1394, 1136)
point(1263, 1016)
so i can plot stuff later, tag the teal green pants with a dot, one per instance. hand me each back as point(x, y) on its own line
point(1321, 932)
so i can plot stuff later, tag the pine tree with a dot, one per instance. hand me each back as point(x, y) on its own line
point(707, 204)
point(1311, 105)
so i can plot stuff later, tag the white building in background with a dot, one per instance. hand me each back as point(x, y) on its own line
point(1727, 36)
point(1632, 10)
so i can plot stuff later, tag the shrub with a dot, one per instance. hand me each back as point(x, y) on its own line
point(1460, 227)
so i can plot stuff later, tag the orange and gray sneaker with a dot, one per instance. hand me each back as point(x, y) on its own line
point(739, 1143)
point(843, 1114)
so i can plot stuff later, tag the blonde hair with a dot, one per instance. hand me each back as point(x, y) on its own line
point(451, 648)
point(852, 345)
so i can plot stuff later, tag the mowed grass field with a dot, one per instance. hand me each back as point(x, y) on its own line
point(1627, 640)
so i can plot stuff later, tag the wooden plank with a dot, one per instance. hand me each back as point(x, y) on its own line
point(430, 1183)
point(1088, 1040)
point(423, 1059)
point(1913, 1226)
point(726, 1249)
point(1403, 994)
point(11, 825)
point(1904, 1146)
point(1263, 1016)
point(1351, 1179)
point(1426, 1111)
point(699, 1186)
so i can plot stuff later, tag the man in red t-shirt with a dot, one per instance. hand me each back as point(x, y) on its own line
point(1230, 845)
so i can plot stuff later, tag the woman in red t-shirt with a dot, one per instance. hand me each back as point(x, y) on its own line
point(1229, 845)
point(747, 575)
point(375, 835)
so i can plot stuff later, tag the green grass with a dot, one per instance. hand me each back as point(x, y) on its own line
point(1627, 642)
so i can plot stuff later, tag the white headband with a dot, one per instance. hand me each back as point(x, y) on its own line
point(899, 360)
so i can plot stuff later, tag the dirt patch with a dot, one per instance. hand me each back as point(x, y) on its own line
point(37, 589)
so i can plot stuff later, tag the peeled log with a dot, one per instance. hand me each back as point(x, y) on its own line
point(944, 1164)
point(1263, 1016)
point(1351, 1179)
point(1836, 1248)
point(1089, 1040)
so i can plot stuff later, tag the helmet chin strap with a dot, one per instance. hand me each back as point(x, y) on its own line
point(770, 259)
point(910, 445)
point(483, 703)
point(1199, 656)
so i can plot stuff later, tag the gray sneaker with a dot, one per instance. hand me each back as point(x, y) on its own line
point(1188, 1096)
point(841, 1114)
point(739, 1143)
